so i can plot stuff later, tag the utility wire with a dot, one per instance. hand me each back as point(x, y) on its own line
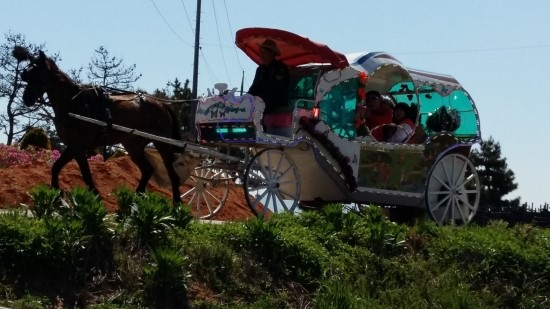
point(170, 26)
point(188, 19)
point(208, 69)
point(479, 50)
point(231, 34)
point(220, 41)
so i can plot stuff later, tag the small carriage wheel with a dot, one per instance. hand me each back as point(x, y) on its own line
point(271, 183)
point(209, 191)
point(452, 190)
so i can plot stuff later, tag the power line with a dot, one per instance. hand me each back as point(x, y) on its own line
point(208, 69)
point(170, 26)
point(188, 19)
point(478, 50)
point(220, 41)
point(231, 33)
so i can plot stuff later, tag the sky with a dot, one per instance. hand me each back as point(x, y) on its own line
point(499, 50)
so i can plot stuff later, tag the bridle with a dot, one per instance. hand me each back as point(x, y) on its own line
point(37, 90)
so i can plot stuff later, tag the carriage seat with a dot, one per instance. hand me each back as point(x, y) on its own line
point(278, 123)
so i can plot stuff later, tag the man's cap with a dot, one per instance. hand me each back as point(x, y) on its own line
point(272, 46)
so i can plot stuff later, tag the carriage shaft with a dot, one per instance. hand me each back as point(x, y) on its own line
point(186, 146)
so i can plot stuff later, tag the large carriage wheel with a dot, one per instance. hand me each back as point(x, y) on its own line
point(271, 183)
point(453, 190)
point(210, 187)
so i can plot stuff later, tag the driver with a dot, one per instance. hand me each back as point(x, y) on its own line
point(272, 79)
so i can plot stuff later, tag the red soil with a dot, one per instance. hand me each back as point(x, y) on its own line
point(16, 181)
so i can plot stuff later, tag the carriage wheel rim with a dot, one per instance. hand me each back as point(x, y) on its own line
point(272, 182)
point(203, 197)
point(452, 190)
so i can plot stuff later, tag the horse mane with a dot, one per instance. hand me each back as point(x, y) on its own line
point(58, 72)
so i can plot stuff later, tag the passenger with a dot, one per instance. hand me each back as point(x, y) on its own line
point(272, 80)
point(402, 116)
point(375, 114)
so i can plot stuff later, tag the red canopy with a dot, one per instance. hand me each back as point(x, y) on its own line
point(295, 49)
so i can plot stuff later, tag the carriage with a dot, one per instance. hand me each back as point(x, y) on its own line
point(304, 157)
point(312, 155)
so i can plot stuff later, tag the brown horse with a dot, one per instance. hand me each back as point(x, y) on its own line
point(131, 110)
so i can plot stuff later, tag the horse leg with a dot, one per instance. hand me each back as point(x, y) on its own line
point(167, 155)
point(66, 156)
point(85, 171)
point(138, 157)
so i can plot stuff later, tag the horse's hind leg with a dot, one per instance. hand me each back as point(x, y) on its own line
point(137, 154)
point(167, 154)
point(85, 171)
point(66, 156)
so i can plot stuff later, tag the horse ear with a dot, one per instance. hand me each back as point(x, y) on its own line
point(41, 56)
point(21, 53)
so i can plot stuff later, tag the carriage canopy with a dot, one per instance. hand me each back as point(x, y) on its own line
point(295, 49)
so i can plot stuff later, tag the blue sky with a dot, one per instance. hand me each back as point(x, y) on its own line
point(498, 50)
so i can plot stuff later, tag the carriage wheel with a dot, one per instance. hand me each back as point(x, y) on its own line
point(453, 190)
point(271, 183)
point(209, 191)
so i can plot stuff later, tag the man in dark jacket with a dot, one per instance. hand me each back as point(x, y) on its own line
point(272, 80)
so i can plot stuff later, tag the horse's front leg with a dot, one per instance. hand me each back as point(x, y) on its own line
point(66, 156)
point(82, 161)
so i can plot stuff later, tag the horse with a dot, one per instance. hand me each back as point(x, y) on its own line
point(127, 109)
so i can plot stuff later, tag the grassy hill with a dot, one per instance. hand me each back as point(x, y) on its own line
point(152, 255)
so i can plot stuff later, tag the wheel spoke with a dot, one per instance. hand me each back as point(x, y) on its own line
point(188, 192)
point(446, 209)
point(206, 201)
point(272, 196)
point(464, 199)
point(280, 199)
point(286, 171)
point(458, 206)
point(446, 172)
point(462, 170)
point(193, 197)
point(433, 208)
point(213, 196)
point(290, 181)
point(290, 195)
point(259, 197)
point(199, 199)
point(439, 192)
point(467, 180)
point(442, 182)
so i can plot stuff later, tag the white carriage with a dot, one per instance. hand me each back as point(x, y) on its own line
point(312, 155)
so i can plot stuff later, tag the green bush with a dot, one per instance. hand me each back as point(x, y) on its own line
point(46, 201)
point(36, 137)
point(165, 279)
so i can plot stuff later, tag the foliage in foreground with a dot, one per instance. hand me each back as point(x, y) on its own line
point(152, 255)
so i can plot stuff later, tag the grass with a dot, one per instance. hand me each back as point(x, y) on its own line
point(150, 255)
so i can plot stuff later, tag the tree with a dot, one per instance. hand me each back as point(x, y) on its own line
point(18, 117)
point(108, 71)
point(496, 178)
point(180, 95)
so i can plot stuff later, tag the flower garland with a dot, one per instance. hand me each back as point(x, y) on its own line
point(343, 161)
point(361, 94)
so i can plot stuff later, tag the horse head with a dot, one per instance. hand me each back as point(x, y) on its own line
point(37, 74)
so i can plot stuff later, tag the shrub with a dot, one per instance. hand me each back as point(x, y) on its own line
point(165, 279)
point(46, 201)
point(36, 137)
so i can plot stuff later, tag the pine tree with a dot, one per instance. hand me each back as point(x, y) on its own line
point(496, 178)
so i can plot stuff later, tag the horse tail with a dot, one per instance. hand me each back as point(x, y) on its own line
point(176, 128)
